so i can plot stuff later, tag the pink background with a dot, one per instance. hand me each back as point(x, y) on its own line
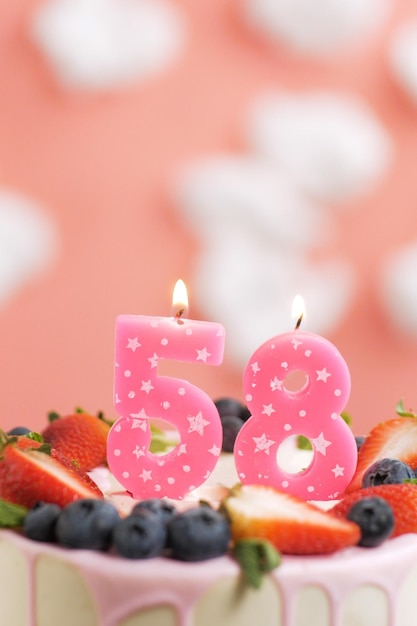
point(102, 166)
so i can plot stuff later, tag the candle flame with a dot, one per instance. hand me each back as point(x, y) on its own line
point(179, 300)
point(298, 310)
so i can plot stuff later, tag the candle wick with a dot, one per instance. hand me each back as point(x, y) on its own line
point(298, 324)
point(179, 314)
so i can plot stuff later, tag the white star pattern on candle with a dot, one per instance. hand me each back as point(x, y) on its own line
point(320, 444)
point(296, 342)
point(268, 409)
point(202, 355)
point(146, 386)
point(197, 423)
point(276, 384)
point(141, 415)
point(138, 452)
point(142, 424)
point(153, 360)
point(255, 367)
point(338, 471)
point(145, 475)
point(215, 450)
point(132, 344)
point(182, 449)
point(117, 399)
point(323, 375)
point(263, 443)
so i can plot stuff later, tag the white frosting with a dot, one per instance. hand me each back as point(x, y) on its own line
point(403, 57)
point(28, 242)
point(102, 44)
point(399, 288)
point(316, 28)
point(331, 143)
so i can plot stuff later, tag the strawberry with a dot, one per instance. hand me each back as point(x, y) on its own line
point(80, 437)
point(28, 475)
point(401, 497)
point(292, 525)
point(394, 439)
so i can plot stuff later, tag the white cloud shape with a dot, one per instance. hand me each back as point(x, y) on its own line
point(399, 288)
point(403, 57)
point(228, 192)
point(330, 143)
point(102, 44)
point(28, 242)
point(316, 27)
point(257, 231)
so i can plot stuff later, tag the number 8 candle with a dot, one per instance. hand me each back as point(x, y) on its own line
point(312, 410)
point(141, 394)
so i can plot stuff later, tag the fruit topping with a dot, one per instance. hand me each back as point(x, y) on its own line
point(401, 498)
point(80, 437)
point(230, 406)
point(292, 525)
point(50, 480)
point(387, 472)
point(141, 535)
point(256, 557)
point(393, 439)
point(87, 524)
point(232, 414)
point(163, 509)
point(198, 534)
point(374, 517)
point(40, 521)
point(18, 430)
point(360, 440)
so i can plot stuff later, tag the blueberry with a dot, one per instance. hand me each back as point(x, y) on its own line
point(87, 524)
point(198, 534)
point(231, 425)
point(18, 430)
point(230, 406)
point(40, 522)
point(375, 518)
point(162, 508)
point(141, 535)
point(386, 472)
point(360, 439)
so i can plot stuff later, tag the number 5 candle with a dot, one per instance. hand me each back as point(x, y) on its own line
point(141, 394)
point(312, 410)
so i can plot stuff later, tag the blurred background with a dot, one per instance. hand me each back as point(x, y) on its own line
point(255, 148)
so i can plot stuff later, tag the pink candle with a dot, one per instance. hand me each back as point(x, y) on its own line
point(142, 394)
point(312, 409)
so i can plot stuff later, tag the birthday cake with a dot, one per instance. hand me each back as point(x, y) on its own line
point(323, 577)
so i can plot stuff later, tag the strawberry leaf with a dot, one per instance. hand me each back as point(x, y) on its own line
point(35, 437)
point(402, 412)
point(256, 557)
point(11, 515)
point(52, 416)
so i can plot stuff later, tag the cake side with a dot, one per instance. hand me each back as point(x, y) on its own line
point(55, 585)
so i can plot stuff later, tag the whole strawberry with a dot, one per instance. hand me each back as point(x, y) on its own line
point(28, 474)
point(393, 439)
point(80, 437)
point(401, 497)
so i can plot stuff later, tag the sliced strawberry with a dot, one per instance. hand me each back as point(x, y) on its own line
point(292, 525)
point(81, 438)
point(393, 439)
point(28, 476)
point(401, 497)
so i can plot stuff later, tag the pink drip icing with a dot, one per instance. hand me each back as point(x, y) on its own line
point(120, 587)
